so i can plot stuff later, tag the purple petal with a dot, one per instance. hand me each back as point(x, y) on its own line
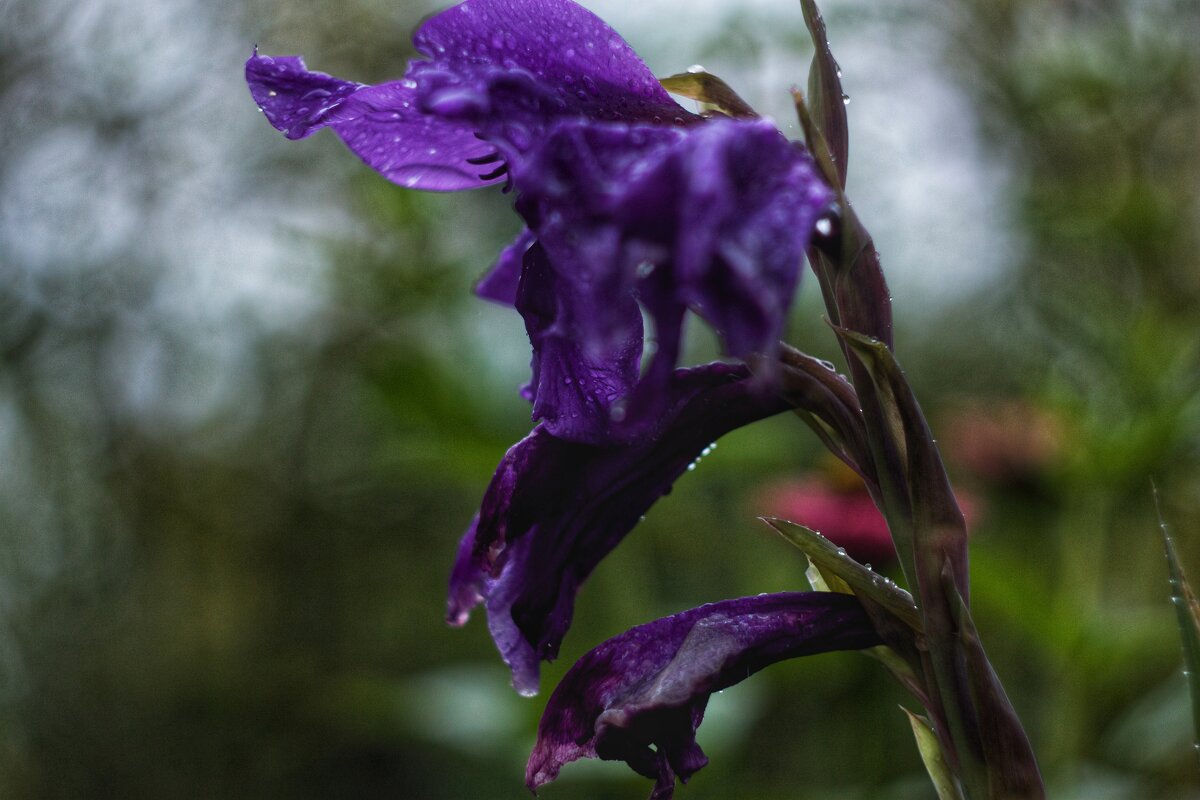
point(500, 283)
point(650, 685)
point(381, 124)
point(584, 65)
point(555, 508)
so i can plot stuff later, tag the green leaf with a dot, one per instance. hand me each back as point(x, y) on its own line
point(823, 580)
point(931, 753)
point(832, 561)
point(938, 531)
point(710, 91)
point(1187, 612)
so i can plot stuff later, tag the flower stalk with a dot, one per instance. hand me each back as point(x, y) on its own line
point(981, 739)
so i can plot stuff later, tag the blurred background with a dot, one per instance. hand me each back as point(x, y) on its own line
point(248, 404)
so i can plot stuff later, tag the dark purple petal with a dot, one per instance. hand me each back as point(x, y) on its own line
point(381, 124)
point(555, 508)
point(640, 696)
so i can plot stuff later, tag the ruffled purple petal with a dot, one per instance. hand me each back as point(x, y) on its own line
point(555, 508)
point(640, 696)
point(712, 219)
point(581, 373)
point(381, 124)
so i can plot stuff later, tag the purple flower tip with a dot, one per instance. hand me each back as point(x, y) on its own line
point(556, 508)
point(640, 696)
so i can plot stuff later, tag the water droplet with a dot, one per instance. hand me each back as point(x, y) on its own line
point(841, 551)
point(696, 69)
point(645, 268)
point(824, 226)
point(272, 93)
point(692, 467)
point(845, 99)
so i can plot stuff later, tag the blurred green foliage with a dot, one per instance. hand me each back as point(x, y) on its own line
point(250, 606)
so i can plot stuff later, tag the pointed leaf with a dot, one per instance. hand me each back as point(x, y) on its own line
point(831, 560)
point(825, 91)
point(1011, 766)
point(710, 91)
point(902, 670)
point(827, 403)
point(938, 528)
point(931, 754)
point(817, 144)
point(1187, 610)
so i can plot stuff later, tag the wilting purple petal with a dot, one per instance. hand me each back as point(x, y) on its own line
point(640, 696)
point(555, 508)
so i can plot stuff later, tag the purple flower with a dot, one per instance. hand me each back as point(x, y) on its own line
point(629, 199)
point(640, 696)
point(555, 508)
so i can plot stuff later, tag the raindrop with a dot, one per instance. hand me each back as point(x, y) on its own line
point(845, 99)
point(841, 551)
point(272, 93)
point(696, 69)
point(824, 226)
point(645, 268)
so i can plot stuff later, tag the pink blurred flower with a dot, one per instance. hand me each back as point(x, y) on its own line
point(1005, 442)
point(846, 517)
point(834, 503)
